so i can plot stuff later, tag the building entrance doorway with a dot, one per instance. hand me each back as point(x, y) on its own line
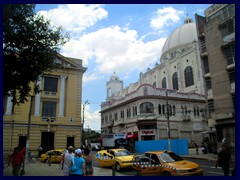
point(70, 141)
point(47, 142)
point(22, 142)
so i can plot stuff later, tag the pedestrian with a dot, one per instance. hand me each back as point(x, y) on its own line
point(196, 146)
point(78, 163)
point(39, 151)
point(66, 160)
point(17, 161)
point(224, 160)
point(88, 162)
point(23, 151)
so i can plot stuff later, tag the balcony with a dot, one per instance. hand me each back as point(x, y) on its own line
point(222, 116)
point(186, 117)
point(228, 39)
point(49, 119)
point(49, 94)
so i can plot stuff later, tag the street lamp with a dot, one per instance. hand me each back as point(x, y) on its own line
point(84, 105)
point(168, 123)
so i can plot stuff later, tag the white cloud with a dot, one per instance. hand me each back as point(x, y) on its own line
point(92, 119)
point(113, 48)
point(165, 17)
point(75, 17)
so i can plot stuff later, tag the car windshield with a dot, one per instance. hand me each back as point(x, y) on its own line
point(122, 153)
point(170, 157)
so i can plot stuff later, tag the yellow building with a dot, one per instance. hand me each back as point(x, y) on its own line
point(55, 119)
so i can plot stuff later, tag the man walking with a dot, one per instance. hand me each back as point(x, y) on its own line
point(17, 161)
point(224, 160)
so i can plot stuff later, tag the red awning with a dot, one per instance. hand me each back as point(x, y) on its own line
point(129, 136)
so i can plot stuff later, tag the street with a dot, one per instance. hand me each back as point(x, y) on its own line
point(42, 169)
point(38, 168)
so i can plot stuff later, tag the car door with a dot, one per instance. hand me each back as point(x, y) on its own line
point(104, 159)
point(50, 156)
point(150, 165)
point(58, 156)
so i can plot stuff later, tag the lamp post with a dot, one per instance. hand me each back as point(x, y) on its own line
point(168, 123)
point(84, 105)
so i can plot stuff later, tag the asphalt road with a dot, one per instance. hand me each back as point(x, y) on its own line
point(208, 167)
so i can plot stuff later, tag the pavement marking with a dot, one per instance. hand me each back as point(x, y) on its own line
point(212, 172)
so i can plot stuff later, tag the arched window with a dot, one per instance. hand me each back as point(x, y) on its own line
point(146, 107)
point(164, 83)
point(174, 110)
point(194, 111)
point(163, 109)
point(188, 73)
point(185, 109)
point(159, 109)
point(154, 84)
point(175, 80)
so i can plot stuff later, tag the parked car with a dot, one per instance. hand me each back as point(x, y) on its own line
point(164, 163)
point(53, 155)
point(120, 158)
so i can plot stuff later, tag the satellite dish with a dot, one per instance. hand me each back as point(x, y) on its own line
point(71, 120)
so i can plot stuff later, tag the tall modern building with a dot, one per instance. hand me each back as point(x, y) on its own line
point(53, 118)
point(216, 37)
point(173, 90)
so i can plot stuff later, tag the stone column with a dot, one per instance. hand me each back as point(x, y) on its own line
point(62, 96)
point(9, 106)
point(37, 99)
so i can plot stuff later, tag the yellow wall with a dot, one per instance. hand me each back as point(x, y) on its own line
point(16, 124)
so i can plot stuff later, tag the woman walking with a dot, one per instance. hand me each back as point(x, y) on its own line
point(77, 167)
point(66, 160)
point(88, 159)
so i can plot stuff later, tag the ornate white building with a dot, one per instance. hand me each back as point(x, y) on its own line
point(140, 108)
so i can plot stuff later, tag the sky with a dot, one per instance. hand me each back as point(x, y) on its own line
point(122, 38)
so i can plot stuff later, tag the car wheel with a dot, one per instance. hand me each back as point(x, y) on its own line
point(166, 173)
point(118, 167)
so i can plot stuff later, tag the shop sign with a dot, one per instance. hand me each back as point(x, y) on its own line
point(147, 132)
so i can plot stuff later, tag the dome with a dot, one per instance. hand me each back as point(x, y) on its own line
point(186, 33)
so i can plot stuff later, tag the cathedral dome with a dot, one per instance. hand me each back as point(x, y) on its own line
point(186, 33)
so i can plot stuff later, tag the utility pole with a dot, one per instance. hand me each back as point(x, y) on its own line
point(85, 104)
point(168, 123)
point(28, 129)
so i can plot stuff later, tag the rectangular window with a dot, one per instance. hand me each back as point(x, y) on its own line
point(206, 65)
point(50, 84)
point(230, 54)
point(227, 29)
point(49, 109)
point(203, 45)
point(231, 75)
point(208, 83)
point(116, 116)
point(211, 105)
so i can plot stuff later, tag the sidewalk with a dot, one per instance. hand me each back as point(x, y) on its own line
point(211, 157)
point(38, 168)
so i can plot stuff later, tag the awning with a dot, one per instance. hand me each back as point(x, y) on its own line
point(130, 136)
point(207, 132)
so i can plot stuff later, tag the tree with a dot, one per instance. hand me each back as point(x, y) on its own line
point(29, 49)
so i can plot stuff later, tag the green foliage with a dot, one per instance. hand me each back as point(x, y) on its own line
point(30, 46)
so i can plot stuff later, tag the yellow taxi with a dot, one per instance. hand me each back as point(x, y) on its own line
point(120, 158)
point(54, 156)
point(164, 163)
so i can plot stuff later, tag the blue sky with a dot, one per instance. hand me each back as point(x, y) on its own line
point(125, 38)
